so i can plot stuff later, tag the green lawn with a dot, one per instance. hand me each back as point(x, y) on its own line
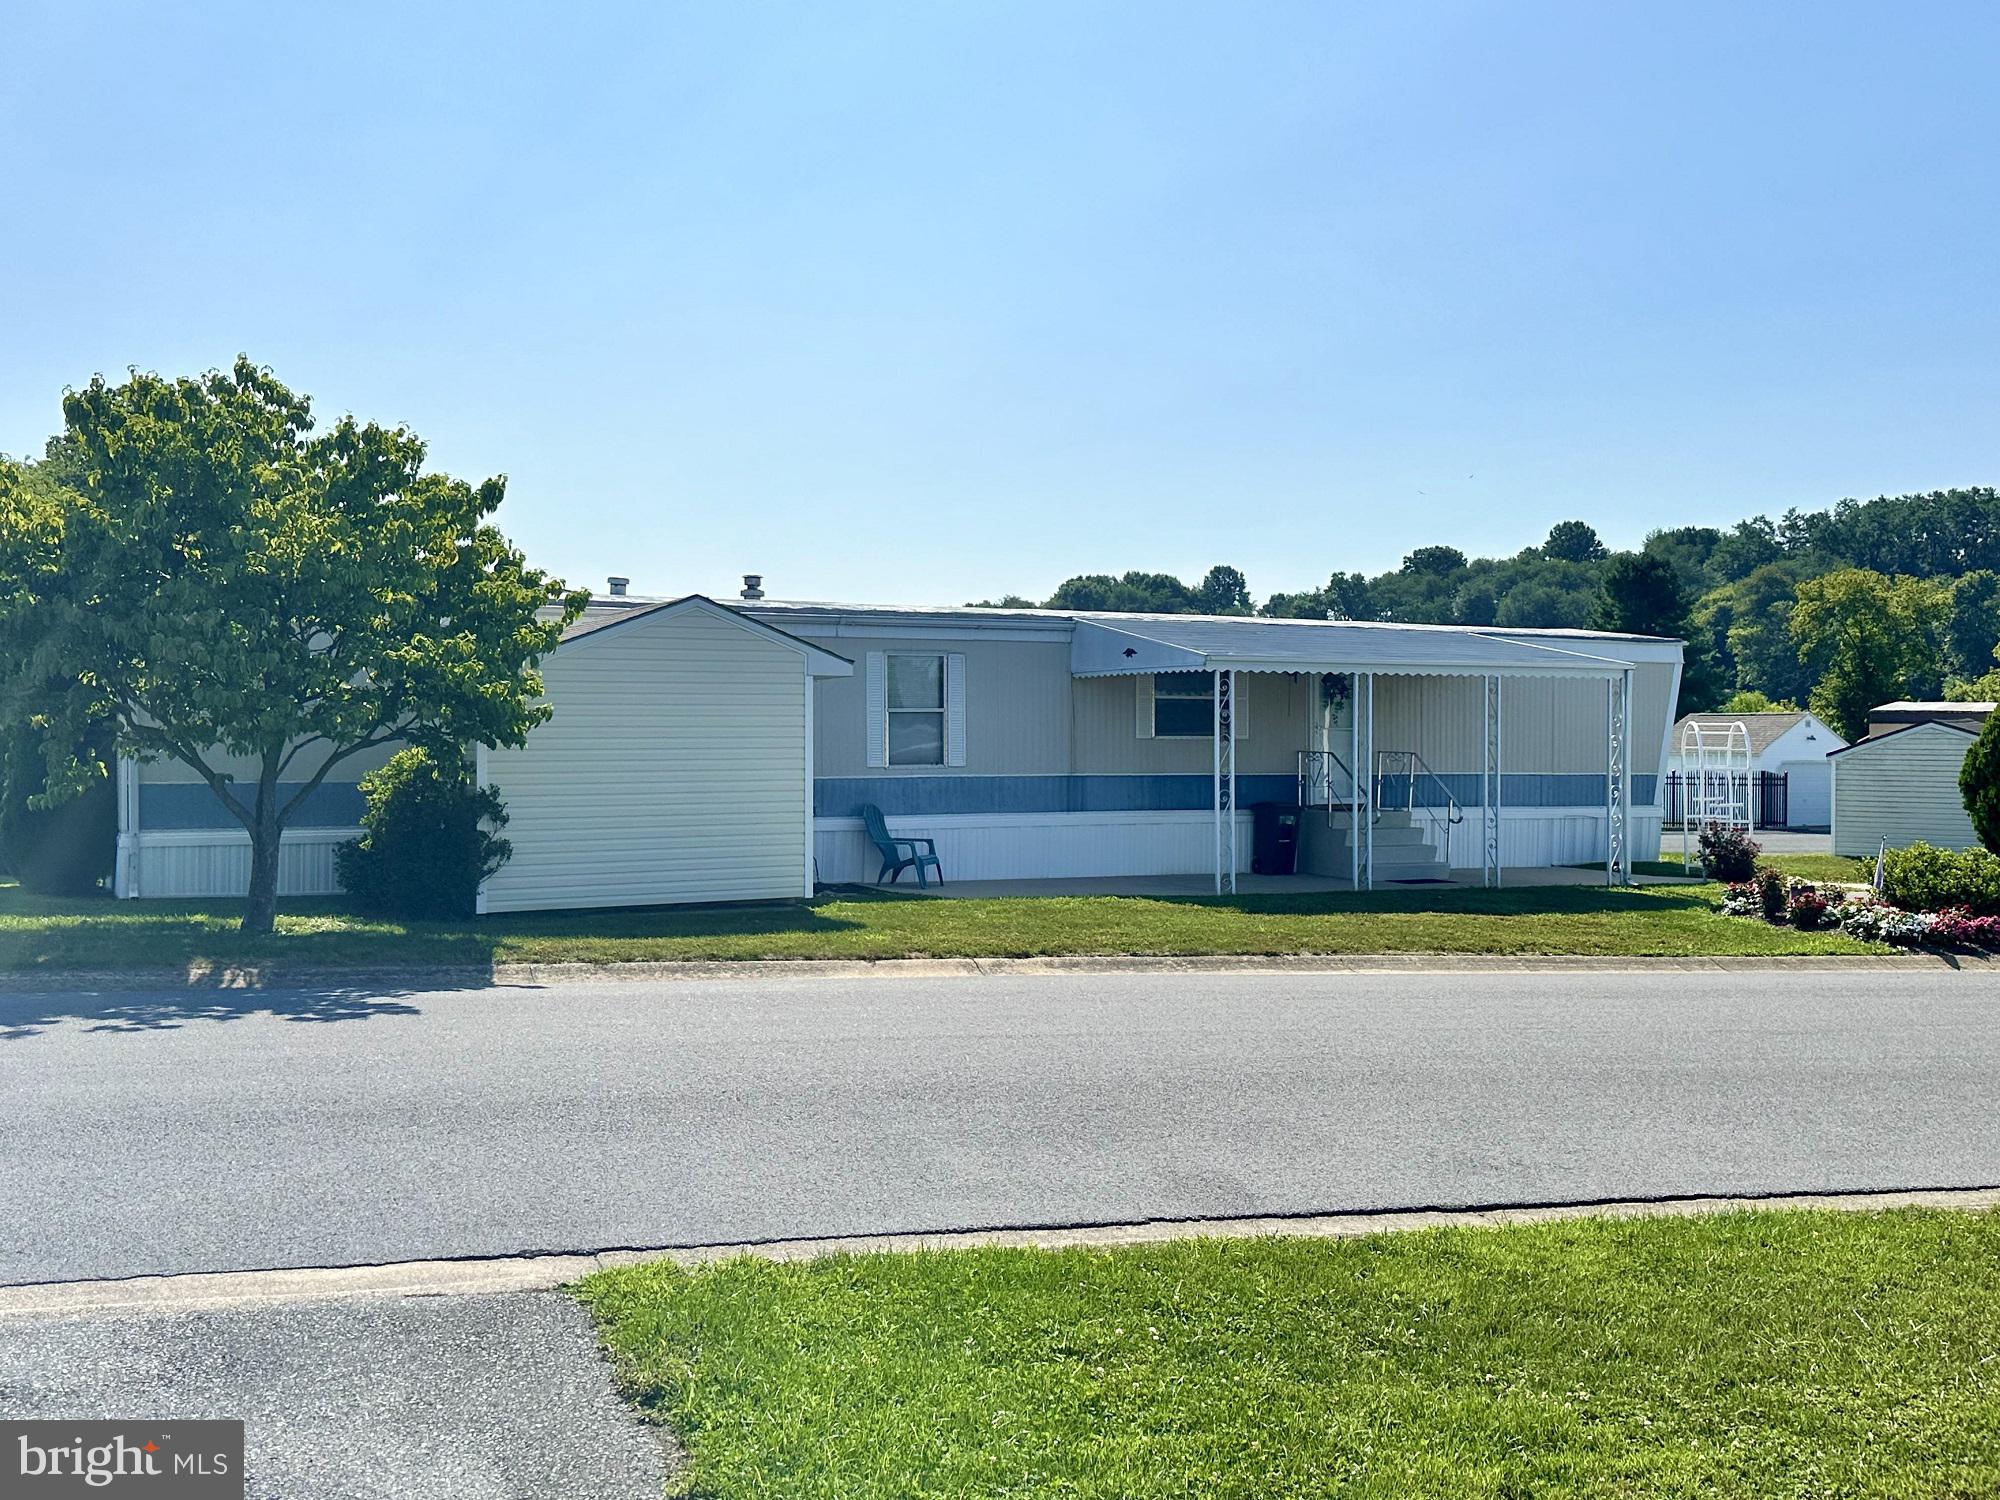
point(1753, 1354)
point(41, 935)
point(1834, 867)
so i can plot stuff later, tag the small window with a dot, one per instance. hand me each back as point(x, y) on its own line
point(915, 700)
point(1183, 705)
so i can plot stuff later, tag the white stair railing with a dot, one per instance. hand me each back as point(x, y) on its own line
point(1325, 780)
point(1411, 770)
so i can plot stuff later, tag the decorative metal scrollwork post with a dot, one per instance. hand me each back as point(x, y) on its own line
point(1489, 789)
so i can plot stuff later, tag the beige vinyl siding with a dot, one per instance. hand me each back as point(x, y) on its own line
point(1902, 788)
point(673, 770)
point(1272, 705)
point(1548, 724)
point(1016, 707)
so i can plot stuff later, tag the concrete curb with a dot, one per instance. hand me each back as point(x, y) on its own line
point(818, 970)
point(540, 1273)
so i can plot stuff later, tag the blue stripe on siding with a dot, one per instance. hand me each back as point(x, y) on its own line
point(333, 804)
point(942, 796)
point(1522, 789)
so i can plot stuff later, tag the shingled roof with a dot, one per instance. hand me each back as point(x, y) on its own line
point(1765, 729)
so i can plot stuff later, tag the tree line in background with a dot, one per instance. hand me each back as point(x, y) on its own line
point(1839, 610)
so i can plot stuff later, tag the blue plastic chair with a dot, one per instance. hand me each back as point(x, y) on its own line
point(922, 855)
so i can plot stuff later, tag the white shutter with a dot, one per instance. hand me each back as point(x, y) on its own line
point(954, 709)
point(1144, 697)
point(878, 709)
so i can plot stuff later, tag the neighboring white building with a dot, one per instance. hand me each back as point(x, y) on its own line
point(1793, 744)
point(719, 752)
point(1899, 782)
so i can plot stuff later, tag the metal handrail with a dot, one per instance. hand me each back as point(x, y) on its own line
point(1316, 772)
point(1413, 766)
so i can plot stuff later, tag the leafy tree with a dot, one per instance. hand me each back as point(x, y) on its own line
point(1412, 598)
point(1224, 591)
point(1979, 782)
point(1475, 604)
point(222, 581)
point(1005, 601)
point(1868, 639)
point(1689, 549)
point(1981, 689)
point(1129, 593)
point(1746, 626)
point(1750, 545)
point(1436, 562)
point(1642, 595)
point(1541, 605)
point(1573, 541)
point(1345, 597)
point(1973, 633)
point(1753, 702)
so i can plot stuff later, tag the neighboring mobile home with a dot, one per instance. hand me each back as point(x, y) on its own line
point(703, 752)
point(1899, 782)
point(1793, 744)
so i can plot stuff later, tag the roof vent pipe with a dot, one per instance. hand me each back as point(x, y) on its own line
point(753, 585)
point(618, 586)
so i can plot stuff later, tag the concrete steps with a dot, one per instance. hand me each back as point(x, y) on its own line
point(1402, 850)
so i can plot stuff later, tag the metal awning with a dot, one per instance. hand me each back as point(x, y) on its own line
point(1132, 645)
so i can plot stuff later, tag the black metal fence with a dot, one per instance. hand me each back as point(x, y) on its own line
point(1770, 799)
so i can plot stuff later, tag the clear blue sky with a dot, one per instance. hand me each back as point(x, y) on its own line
point(929, 302)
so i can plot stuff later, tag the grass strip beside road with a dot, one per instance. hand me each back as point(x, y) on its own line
point(41, 935)
point(1756, 1354)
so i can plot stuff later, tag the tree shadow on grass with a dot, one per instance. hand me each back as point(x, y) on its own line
point(23, 1016)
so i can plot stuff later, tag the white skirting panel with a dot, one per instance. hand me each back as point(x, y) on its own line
point(216, 862)
point(1042, 846)
point(1542, 837)
point(1038, 846)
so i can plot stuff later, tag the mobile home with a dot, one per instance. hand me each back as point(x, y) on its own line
point(702, 751)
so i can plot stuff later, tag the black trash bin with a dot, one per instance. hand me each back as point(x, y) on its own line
point(1274, 848)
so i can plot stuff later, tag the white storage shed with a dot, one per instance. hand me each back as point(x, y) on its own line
point(678, 766)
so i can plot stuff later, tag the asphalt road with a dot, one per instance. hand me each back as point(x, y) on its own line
point(421, 1398)
point(220, 1130)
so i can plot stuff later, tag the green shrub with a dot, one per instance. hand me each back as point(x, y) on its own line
point(1728, 854)
point(1979, 782)
point(1924, 878)
point(429, 839)
point(63, 850)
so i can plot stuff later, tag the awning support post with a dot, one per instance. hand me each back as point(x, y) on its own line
point(1618, 779)
point(1364, 778)
point(1353, 780)
point(1489, 784)
point(1225, 780)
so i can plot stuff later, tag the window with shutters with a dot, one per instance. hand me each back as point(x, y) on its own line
point(915, 701)
point(1183, 705)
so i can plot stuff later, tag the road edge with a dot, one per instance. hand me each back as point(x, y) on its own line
point(547, 1272)
point(517, 975)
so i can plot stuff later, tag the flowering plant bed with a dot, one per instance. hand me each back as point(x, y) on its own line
point(1769, 897)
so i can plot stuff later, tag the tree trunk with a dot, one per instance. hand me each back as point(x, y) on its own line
point(260, 907)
